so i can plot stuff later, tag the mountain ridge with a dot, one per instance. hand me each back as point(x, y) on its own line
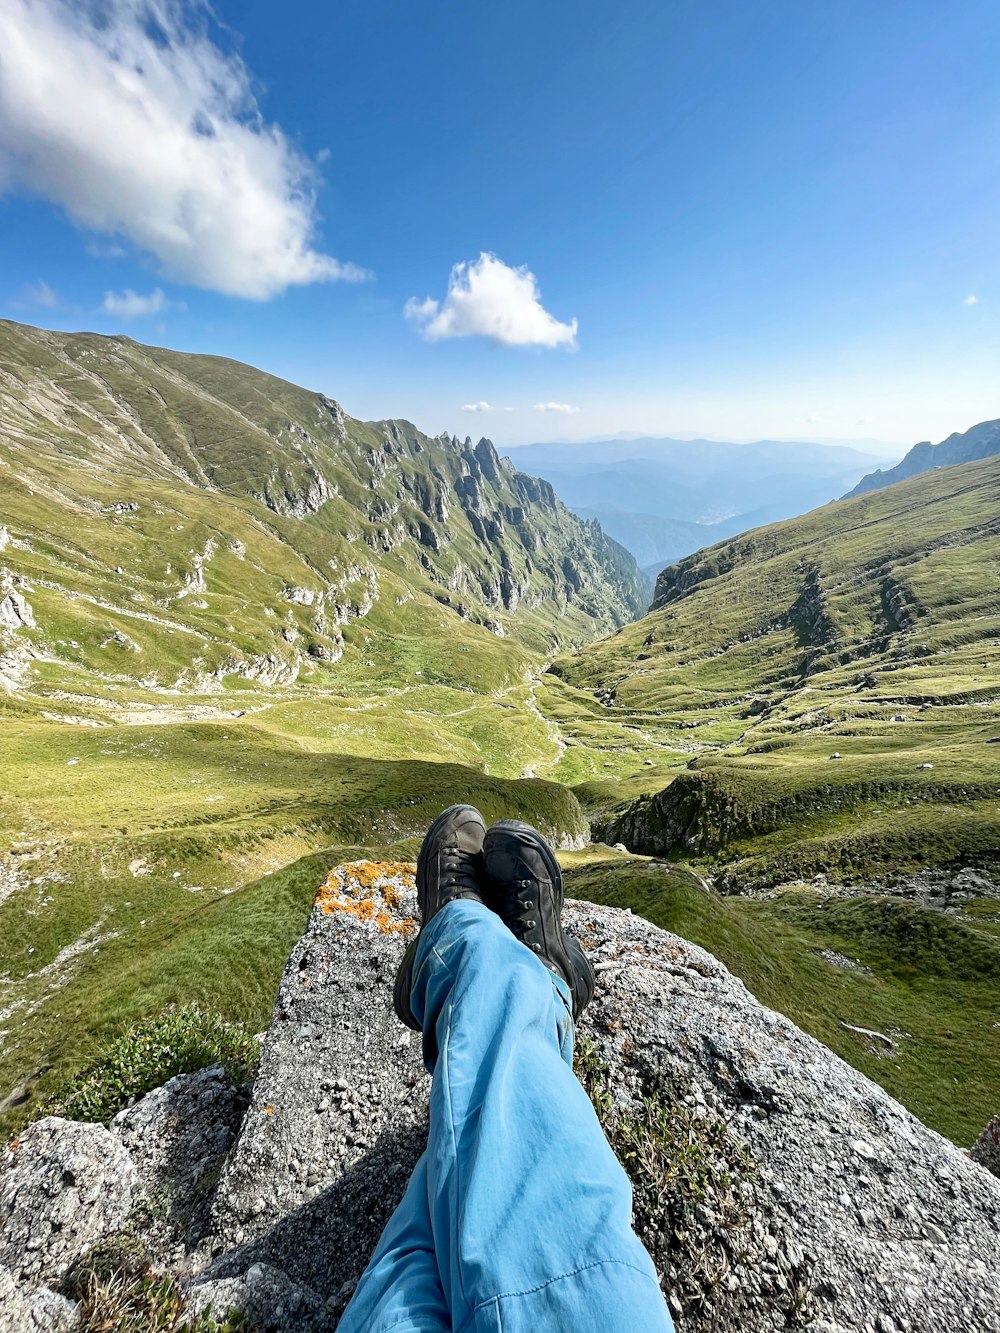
point(979, 441)
point(89, 421)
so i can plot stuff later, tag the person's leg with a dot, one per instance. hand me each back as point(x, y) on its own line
point(401, 1287)
point(530, 1209)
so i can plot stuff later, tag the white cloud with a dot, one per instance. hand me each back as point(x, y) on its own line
point(813, 417)
point(555, 407)
point(476, 407)
point(127, 114)
point(487, 298)
point(971, 300)
point(37, 294)
point(130, 305)
point(105, 249)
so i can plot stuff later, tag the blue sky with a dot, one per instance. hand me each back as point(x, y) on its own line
point(733, 219)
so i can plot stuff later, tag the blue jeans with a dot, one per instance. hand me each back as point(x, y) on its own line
point(517, 1218)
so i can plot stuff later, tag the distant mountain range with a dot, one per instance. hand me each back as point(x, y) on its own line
point(982, 441)
point(663, 498)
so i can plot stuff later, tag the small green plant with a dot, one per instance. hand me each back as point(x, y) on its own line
point(119, 1292)
point(145, 1054)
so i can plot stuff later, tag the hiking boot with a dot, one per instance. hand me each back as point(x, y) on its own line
point(449, 866)
point(526, 891)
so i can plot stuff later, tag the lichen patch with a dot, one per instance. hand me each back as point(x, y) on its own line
point(370, 891)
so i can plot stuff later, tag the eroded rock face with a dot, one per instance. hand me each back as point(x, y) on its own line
point(15, 613)
point(266, 1297)
point(39, 1311)
point(178, 1137)
point(789, 1192)
point(63, 1187)
point(338, 1114)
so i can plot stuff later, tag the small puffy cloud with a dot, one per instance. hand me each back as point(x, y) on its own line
point(971, 300)
point(99, 249)
point(813, 417)
point(127, 115)
point(476, 407)
point(556, 407)
point(131, 305)
point(862, 421)
point(37, 294)
point(486, 298)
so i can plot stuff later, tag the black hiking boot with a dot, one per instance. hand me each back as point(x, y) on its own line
point(449, 866)
point(527, 893)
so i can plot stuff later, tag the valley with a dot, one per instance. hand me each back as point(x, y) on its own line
point(244, 637)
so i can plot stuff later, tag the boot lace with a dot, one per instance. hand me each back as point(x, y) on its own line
point(458, 872)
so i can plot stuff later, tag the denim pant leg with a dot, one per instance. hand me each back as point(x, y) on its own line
point(529, 1207)
point(401, 1287)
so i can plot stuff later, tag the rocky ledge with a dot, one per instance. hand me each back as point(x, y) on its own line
point(775, 1186)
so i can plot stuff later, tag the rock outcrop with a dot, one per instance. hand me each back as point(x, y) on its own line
point(775, 1186)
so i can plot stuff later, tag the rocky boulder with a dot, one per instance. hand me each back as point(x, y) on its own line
point(775, 1186)
point(806, 1196)
point(64, 1186)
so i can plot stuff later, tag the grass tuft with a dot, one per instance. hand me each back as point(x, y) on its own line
point(119, 1292)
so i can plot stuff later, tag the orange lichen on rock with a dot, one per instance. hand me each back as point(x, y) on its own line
point(369, 891)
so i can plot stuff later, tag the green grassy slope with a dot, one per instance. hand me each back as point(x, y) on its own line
point(925, 982)
point(171, 488)
point(869, 629)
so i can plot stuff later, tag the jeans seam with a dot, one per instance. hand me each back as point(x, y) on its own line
point(397, 1323)
point(446, 1052)
point(573, 1272)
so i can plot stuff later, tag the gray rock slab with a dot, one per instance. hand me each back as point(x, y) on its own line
point(338, 1113)
point(178, 1137)
point(35, 1311)
point(858, 1217)
point(889, 1225)
point(63, 1187)
point(265, 1296)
